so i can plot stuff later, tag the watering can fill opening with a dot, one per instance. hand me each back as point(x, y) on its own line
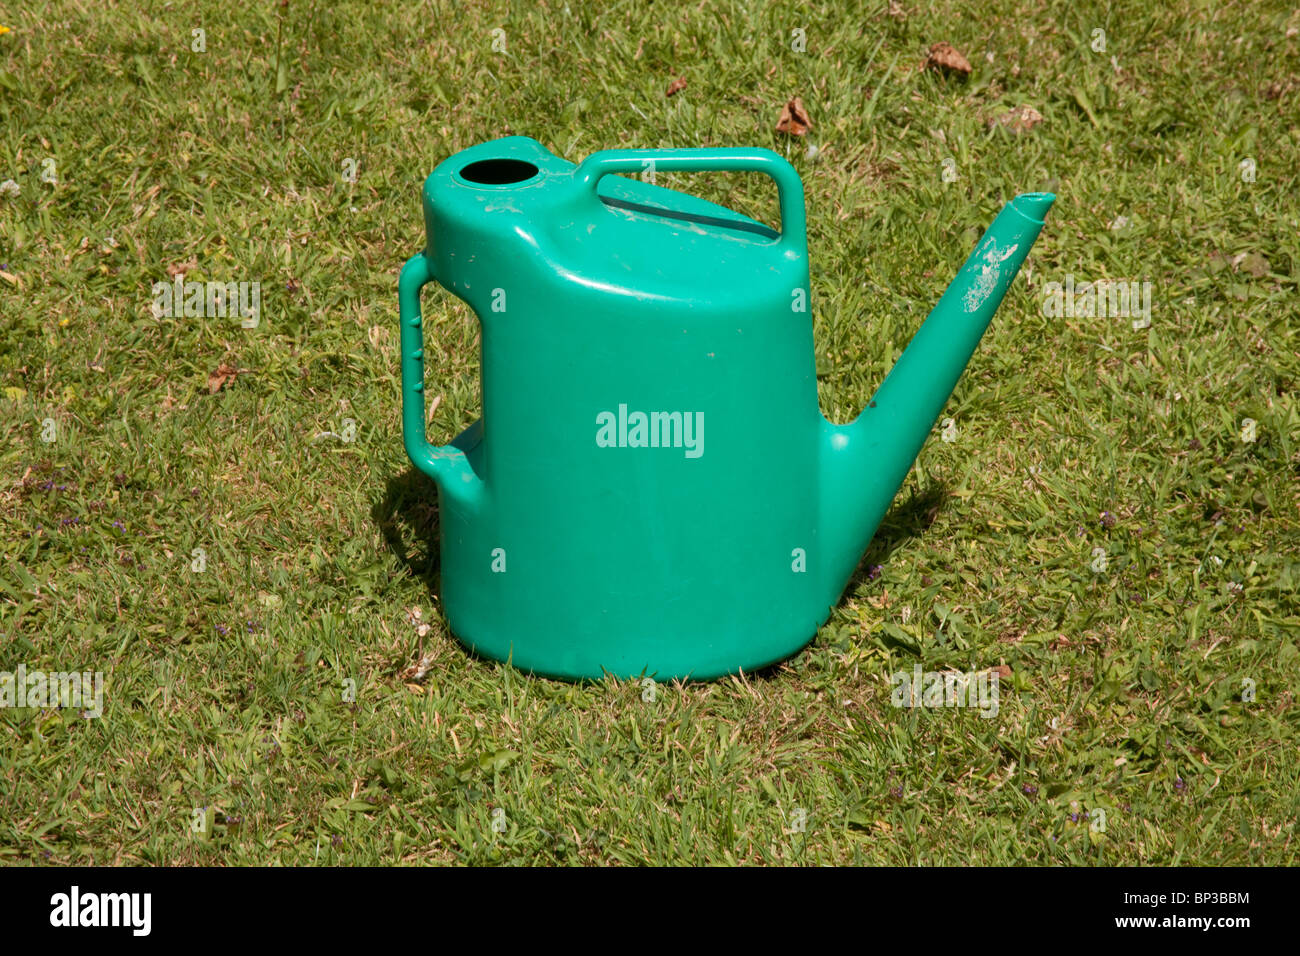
point(498, 172)
point(617, 508)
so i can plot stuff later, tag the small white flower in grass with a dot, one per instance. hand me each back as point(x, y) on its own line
point(9, 188)
point(1118, 223)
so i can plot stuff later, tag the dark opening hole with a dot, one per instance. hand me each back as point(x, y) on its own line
point(498, 172)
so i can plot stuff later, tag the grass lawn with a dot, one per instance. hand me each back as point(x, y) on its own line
point(1100, 527)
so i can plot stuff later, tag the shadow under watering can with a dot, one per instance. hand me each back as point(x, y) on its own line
point(652, 488)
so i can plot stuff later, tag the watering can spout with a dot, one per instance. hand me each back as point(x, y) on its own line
point(867, 460)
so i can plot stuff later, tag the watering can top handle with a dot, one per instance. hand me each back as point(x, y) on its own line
point(789, 187)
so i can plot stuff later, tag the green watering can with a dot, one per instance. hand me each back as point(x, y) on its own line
point(652, 489)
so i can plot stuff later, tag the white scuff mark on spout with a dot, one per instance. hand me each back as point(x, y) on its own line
point(987, 279)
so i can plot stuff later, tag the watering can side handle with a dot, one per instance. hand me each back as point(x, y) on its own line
point(788, 184)
point(441, 463)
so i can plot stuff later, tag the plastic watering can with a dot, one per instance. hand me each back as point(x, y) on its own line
point(652, 489)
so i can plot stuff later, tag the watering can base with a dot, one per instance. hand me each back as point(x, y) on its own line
point(580, 663)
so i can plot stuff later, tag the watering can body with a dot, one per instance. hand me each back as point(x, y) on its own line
point(651, 489)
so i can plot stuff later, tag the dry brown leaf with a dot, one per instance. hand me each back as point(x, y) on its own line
point(1002, 670)
point(1020, 119)
point(10, 277)
point(179, 268)
point(794, 118)
point(223, 376)
point(946, 57)
point(419, 670)
point(676, 86)
point(1280, 88)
